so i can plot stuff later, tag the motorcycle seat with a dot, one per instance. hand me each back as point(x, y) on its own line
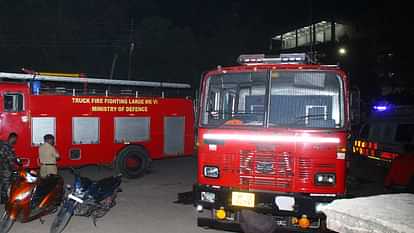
point(105, 187)
point(107, 183)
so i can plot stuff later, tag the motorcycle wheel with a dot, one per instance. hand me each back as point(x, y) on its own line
point(61, 220)
point(99, 213)
point(6, 223)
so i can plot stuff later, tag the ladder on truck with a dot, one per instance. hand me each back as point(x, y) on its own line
point(68, 84)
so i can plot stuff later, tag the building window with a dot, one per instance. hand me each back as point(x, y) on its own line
point(13, 102)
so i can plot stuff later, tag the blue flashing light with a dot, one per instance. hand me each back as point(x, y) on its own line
point(381, 108)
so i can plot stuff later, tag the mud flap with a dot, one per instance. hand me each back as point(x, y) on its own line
point(252, 222)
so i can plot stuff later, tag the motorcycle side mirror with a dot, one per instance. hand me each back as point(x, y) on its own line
point(68, 187)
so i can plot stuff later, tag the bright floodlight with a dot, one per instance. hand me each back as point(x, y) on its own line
point(342, 51)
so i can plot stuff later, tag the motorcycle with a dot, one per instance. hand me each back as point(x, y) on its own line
point(31, 197)
point(87, 198)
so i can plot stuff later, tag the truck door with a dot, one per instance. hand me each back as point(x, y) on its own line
point(174, 133)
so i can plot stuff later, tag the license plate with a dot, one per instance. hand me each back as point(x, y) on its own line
point(75, 198)
point(285, 203)
point(242, 199)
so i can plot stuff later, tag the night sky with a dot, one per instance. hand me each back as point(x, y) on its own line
point(173, 40)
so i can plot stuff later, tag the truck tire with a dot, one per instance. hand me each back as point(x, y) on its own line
point(132, 161)
point(252, 222)
point(411, 186)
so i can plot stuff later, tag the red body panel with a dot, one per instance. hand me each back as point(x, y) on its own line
point(401, 171)
point(63, 108)
point(298, 161)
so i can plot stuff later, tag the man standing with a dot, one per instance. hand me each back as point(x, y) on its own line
point(7, 163)
point(48, 156)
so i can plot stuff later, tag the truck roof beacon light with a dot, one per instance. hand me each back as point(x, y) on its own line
point(380, 108)
point(286, 58)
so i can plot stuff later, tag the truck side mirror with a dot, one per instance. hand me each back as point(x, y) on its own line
point(355, 106)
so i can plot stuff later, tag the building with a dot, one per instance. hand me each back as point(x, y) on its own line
point(318, 33)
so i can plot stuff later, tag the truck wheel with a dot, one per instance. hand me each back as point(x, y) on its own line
point(132, 161)
point(252, 222)
point(411, 185)
point(323, 228)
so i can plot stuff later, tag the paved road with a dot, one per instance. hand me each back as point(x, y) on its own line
point(146, 205)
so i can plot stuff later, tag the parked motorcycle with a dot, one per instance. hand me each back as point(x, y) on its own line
point(87, 198)
point(31, 197)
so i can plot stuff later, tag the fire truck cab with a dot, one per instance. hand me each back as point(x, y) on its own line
point(272, 141)
point(95, 121)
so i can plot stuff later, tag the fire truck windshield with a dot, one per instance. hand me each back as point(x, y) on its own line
point(301, 99)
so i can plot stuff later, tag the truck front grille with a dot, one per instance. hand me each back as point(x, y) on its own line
point(259, 169)
point(305, 170)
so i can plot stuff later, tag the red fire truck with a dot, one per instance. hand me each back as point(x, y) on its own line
point(115, 125)
point(272, 142)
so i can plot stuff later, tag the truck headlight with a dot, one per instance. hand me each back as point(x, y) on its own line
point(325, 179)
point(212, 172)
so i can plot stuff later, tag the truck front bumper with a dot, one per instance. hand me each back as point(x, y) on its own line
point(216, 198)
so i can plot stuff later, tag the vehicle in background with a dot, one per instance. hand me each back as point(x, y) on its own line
point(272, 138)
point(386, 142)
point(97, 121)
point(386, 133)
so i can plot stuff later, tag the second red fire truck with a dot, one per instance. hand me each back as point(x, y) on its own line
point(272, 142)
point(91, 124)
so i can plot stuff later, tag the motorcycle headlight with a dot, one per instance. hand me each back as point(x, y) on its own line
point(325, 179)
point(31, 176)
point(211, 172)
